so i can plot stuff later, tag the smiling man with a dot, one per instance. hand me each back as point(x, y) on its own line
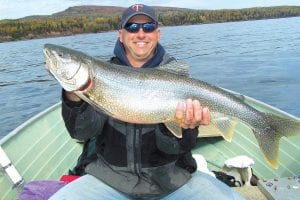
point(139, 160)
point(139, 43)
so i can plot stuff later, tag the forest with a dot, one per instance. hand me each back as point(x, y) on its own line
point(95, 19)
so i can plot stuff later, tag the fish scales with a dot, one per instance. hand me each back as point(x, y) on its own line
point(148, 96)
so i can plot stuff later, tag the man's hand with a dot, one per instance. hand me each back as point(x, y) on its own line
point(192, 114)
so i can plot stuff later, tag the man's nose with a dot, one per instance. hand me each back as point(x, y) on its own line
point(141, 33)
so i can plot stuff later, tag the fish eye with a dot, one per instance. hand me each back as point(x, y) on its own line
point(63, 55)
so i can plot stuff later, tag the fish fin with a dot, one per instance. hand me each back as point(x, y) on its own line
point(219, 126)
point(269, 145)
point(176, 67)
point(174, 128)
point(239, 96)
point(209, 131)
point(268, 137)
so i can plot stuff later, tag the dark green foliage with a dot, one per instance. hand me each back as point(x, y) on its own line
point(94, 19)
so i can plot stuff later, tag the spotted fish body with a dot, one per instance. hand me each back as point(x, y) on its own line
point(149, 96)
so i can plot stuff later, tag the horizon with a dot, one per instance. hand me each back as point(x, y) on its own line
point(126, 7)
point(21, 8)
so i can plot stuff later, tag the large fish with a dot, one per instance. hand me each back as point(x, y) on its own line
point(150, 96)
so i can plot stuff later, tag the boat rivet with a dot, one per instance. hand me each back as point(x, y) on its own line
point(269, 184)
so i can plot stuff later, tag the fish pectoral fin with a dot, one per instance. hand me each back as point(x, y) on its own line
point(174, 128)
point(219, 126)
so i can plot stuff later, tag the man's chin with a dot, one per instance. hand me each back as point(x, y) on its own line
point(143, 56)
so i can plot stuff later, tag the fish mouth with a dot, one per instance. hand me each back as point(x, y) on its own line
point(47, 59)
point(72, 76)
point(52, 60)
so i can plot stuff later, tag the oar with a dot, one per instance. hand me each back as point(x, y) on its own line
point(9, 168)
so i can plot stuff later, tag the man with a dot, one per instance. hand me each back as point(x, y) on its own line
point(138, 160)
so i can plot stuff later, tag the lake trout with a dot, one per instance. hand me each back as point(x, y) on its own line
point(149, 96)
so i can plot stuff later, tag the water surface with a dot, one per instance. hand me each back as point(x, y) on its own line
point(256, 58)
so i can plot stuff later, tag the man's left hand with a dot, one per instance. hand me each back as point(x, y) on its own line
point(192, 114)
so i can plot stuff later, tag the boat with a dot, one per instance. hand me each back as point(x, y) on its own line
point(41, 149)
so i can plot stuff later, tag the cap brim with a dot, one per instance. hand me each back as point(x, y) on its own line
point(134, 14)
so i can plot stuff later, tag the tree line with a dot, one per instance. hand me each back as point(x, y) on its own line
point(49, 26)
point(227, 15)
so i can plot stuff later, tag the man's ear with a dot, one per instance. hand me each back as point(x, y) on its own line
point(158, 36)
point(120, 35)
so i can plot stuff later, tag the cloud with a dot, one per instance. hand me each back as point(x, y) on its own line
point(20, 8)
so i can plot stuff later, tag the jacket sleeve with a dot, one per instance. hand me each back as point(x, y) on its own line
point(81, 119)
point(168, 143)
point(189, 139)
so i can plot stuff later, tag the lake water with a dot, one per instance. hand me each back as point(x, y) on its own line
point(256, 58)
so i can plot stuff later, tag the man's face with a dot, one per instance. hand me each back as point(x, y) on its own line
point(140, 46)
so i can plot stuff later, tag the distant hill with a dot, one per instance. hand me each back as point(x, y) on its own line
point(104, 11)
point(90, 11)
point(108, 10)
point(94, 19)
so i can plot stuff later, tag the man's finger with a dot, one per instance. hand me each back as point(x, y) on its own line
point(179, 111)
point(197, 111)
point(189, 113)
point(206, 117)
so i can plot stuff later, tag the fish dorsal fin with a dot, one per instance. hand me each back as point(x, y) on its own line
point(236, 94)
point(174, 128)
point(176, 67)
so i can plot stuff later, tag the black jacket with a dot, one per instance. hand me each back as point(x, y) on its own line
point(139, 160)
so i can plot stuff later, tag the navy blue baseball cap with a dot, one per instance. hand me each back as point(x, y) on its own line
point(137, 9)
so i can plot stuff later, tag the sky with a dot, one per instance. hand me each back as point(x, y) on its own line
point(13, 9)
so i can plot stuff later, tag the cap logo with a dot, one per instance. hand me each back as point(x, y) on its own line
point(137, 7)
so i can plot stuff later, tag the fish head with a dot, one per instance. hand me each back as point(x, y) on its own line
point(68, 67)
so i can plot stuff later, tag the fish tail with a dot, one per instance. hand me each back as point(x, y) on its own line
point(268, 136)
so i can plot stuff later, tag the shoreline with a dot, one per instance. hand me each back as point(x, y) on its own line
point(54, 34)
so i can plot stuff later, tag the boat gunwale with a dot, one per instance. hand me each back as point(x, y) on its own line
point(14, 132)
point(263, 104)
